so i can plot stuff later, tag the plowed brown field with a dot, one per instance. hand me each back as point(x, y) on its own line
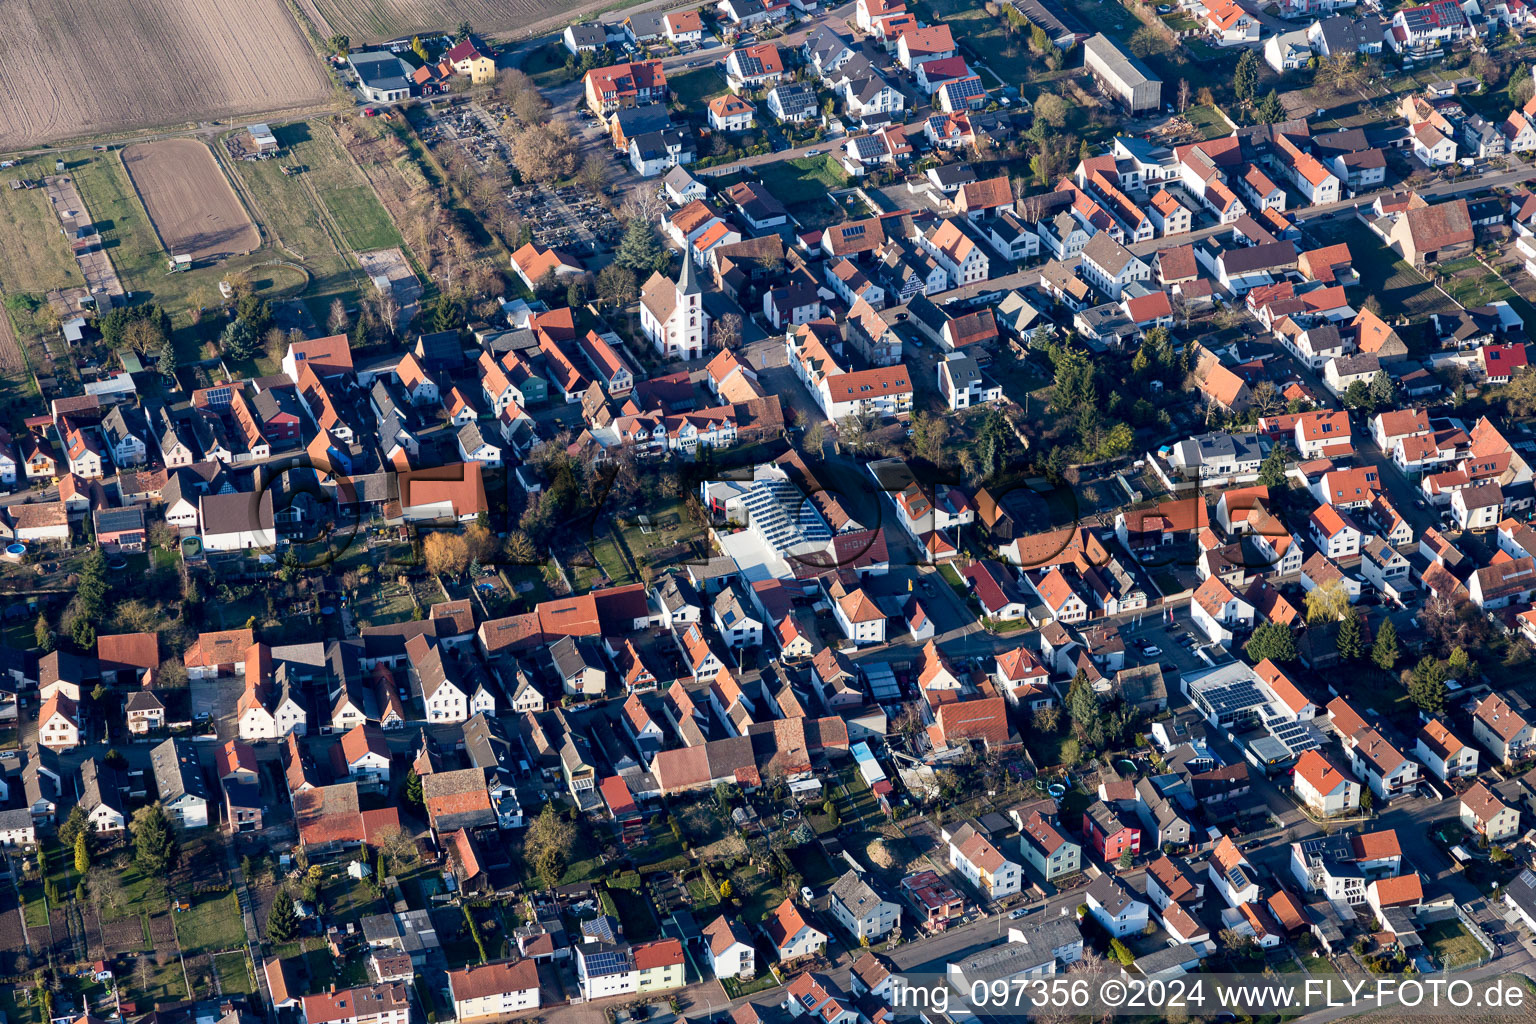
point(189, 200)
point(372, 21)
point(85, 67)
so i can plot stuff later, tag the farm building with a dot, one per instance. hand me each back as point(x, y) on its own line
point(381, 76)
point(263, 139)
point(1120, 75)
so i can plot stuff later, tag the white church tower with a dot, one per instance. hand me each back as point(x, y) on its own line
point(672, 314)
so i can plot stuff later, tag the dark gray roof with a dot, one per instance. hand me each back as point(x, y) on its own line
point(100, 785)
point(124, 421)
point(232, 513)
point(178, 772)
point(954, 174)
point(380, 69)
point(120, 520)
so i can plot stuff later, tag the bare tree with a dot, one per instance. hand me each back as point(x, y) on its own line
point(727, 331)
point(1183, 95)
point(644, 203)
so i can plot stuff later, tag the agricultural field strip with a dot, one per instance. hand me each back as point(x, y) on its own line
point(77, 68)
point(194, 210)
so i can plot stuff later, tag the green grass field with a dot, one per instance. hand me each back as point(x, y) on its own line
point(234, 973)
point(321, 214)
point(697, 87)
point(802, 180)
point(1209, 122)
point(34, 255)
point(212, 925)
point(126, 232)
point(1399, 287)
point(1452, 944)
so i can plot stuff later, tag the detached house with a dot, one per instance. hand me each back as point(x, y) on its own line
point(1501, 730)
point(730, 949)
point(982, 864)
point(860, 909)
point(1485, 814)
point(791, 935)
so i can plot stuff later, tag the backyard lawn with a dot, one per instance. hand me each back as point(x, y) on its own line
point(693, 89)
point(1452, 944)
point(634, 913)
point(1399, 287)
point(212, 925)
point(234, 973)
point(802, 180)
point(1208, 122)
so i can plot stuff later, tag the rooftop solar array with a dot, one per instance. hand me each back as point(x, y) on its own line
point(1229, 698)
point(1297, 738)
point(784, 517)
point(602, 964)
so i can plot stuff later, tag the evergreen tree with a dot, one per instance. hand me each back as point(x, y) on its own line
point(82, 632)
point(42, 636)
point(1272, 640)
point(412, 789)
point(1272, 472)
point(91, 589)
point(82, 854)
point(154, 844)
point(281, 919)
point(1384, 650)
point(639, 251)
point(1269, 110)
point(1086, 713)
point(1426, 686)
point(1458, 666)
point(1381, 389)
point(77, 824)
point(1351, 639)
point(239, 341)
point(1245, 79)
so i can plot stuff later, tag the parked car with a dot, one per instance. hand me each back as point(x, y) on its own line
point(1152, 652)
point(813, 152)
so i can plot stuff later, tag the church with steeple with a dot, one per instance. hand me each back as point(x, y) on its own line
point(672, 313)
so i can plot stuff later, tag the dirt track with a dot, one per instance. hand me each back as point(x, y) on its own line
point(74, 68)
point(193, 208)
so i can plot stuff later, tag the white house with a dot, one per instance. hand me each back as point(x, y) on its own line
point(494, 989)
point(1231, 874)
point(1443, 754)
point(58, 723)
point(1116, 907)
point(792, 936)
point(1216, 610)
point(1110, 266)
point(1500, 729)
point(237, 522)
point(1324, 788)
point(179, 779)
point(982, 864)
point(730, 949)
point(604, 969)
point(1483, 813)
point(861, 910)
